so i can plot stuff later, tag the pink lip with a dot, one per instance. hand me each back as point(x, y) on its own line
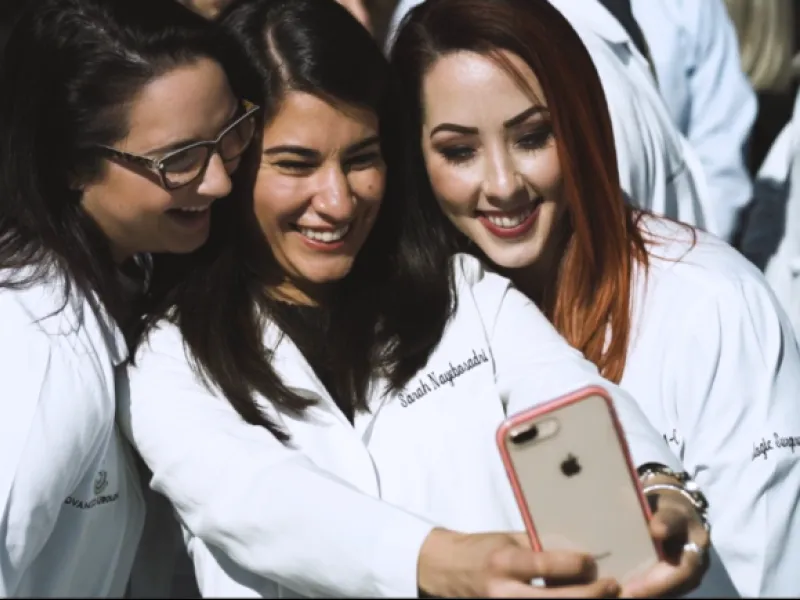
point(323, 246)
point(514, 232)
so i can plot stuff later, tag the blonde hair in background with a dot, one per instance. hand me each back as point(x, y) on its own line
point(766, 41)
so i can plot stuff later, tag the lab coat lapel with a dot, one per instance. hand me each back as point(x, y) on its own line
point(353, 461)
point(298, 375)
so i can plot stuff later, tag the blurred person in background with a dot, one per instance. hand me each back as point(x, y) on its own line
point(695, 53)
point(767, 36)
point(771, 238)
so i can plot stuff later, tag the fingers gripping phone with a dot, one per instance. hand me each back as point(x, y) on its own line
point(575, 483)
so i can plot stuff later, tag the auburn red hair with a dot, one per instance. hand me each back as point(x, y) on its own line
point(590, 301)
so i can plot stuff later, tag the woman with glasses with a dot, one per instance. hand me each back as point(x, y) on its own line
point(118, 132)
point(320, 401)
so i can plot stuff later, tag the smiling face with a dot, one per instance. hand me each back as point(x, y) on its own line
point(491, 156)
point(189, 103)
point(318, 189)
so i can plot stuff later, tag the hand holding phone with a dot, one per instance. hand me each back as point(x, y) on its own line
point(502, 565)
point(575, 484)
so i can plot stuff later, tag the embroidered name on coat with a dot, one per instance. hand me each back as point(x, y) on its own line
point(765, 446)
point(433, 380)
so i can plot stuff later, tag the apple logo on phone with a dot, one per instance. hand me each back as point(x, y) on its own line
point(570, 466)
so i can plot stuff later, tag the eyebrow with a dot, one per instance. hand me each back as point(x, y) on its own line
point(512, 122)
point(178, 145)
point(313, 154)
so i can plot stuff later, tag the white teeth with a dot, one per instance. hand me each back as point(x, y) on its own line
point(195, 209)
point(328, 236)
point(510, 222)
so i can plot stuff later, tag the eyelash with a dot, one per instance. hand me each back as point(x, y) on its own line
point(360, 161)
point(531, 142)
point(293, 165)
point(364, 160)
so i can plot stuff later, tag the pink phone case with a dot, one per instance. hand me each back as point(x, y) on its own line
point(575, 483)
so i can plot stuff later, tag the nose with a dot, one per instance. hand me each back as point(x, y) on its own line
point(334, 199)
point(500, 180)
point(216, 180)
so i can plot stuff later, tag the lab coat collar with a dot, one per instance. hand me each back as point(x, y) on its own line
point(115, 341)
point(296, 373)
point(595, 17)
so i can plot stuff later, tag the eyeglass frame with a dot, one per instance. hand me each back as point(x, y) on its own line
point(156, 165)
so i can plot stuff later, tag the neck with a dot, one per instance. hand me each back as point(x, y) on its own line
point(119, 255)
point(535, 281)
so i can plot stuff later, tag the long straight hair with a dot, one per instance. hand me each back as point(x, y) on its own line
point(592, 289)
point(386, 315)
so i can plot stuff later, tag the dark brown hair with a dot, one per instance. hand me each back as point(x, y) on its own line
point(385, 316)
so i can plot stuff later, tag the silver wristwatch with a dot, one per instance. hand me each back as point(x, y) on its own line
point(687, 488)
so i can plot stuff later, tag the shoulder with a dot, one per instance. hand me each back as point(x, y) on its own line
point(162, 346)
point(694, 271)
point(472, 278)
point(57, 372)
point(483, 295)
point(71, 325)
point(66, 317)
point(695, 256)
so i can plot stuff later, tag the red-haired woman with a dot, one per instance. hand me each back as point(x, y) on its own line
point(507, 134)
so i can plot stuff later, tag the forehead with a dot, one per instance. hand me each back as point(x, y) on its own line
point(307, 120)
point(207, 8)
point(192, 101)
point(467, 87)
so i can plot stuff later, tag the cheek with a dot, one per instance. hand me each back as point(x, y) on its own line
point(453, 186)
point(543, 170)
point(276, 200)
point(125, 195)
point(369, 186)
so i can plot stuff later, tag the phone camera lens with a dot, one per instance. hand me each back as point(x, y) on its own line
point(528, 435)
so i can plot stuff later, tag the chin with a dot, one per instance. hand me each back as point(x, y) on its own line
point(331, 275)
point(509, 258)
point(187, 248)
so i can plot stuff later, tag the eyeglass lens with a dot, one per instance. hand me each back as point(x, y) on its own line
point(184, 166)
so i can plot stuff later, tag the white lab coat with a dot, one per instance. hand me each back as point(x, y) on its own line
point(696, 56)
point(658, 169)
point(71, 505)
point(781, 172)
point(344, 511)
point(714, 364)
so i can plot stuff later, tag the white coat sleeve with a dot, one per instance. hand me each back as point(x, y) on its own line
point(265, 506)
point(525, 345)
point(736, 392)
point(47, 441)
point(723, 109)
